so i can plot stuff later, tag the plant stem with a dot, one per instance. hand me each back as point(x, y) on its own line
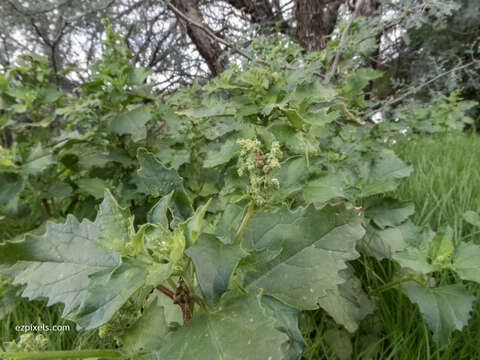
point(165, 290)
point(238, 236)
point(47, 207)
point(74, 354)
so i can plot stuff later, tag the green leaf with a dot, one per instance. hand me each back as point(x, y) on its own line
point(11, 185)
point(314, 244)
point(318, 119)
point(441, 247)
point(390, 213)
point(389, 166)
point(181, 207)
point(144, 335)
point(158, 273)
point(138, 75)
point(383, 243)
point(209, 188)
point(219, 109)
point(131, 122)
point(444, 308)
point(93, 186)
point(114, 225)
point(39, 159)
point(240, 329)
point(221, 155)
point(291, 175)
point(466, 261)
point(287, 135)
point(229, 222)
point(356, 82)
point(416, 255)
point(49, 94)
point(430, 252)
point(90, 156)
point(347, 304)
point(214, 263)
point(193, 225)
point(107, 291)
point(415, 259)
point(294, 118)
point(158, 179)
point(57, 264)
point(381, 175)
point(158, 213)
point(324, 189)
point(472, 218)
point(311, 92)
point(288, 323)
point(220, 126)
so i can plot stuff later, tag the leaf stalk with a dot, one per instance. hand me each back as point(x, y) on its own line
point(73, 354)
point(248, 215)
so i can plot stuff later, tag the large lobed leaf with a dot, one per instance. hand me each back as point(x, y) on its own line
point(215, 263)
point(239, 329)
point(107, 291)
point(73, 264)
point(348, 304)
point(158, 179)
point(132, 122)
point(444, 308)
point(466, 261)
point(57, 264)
point(313, 245)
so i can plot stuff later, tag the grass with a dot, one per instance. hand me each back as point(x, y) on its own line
point(444, 185)
point(445, 182)
point(37, 313)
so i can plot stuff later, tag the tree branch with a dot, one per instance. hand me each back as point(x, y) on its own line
point(414, 90)
point(342, 40)
point(212, 35)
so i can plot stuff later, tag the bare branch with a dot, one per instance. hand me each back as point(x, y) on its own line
point(342, 40)
point(414, 90)
point(212, 35)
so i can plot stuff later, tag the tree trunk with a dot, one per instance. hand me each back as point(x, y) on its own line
point(208, 48)
point(261, 13)
point(259, 10)
point(368, 8)
point(315, 21)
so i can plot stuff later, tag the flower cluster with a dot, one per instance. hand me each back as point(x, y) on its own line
point(257, 163)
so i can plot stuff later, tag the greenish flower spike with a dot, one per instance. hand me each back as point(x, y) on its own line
point(257, 163)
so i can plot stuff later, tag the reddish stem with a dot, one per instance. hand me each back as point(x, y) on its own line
point(170, 294)
point(165, 290)
point(47, 207)
point(185, 312)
